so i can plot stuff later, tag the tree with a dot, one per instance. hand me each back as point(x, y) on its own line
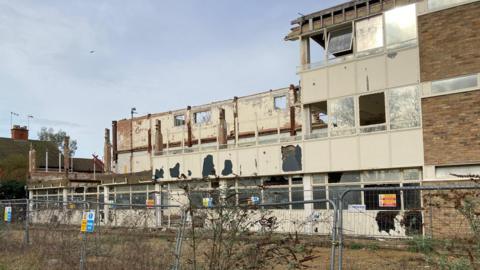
point(58, 138)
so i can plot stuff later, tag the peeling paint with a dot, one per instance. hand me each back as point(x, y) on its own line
point(159, 173)
point(227, 167)
point(386, 220)
point(175, 171)
point(291, 158)
point(208, 166)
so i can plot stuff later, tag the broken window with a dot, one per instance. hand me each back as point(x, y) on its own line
point(202, 117)
point(280, 102)
point(319, 117)
point(401, 25)
point(317, 50)
point(343, 177)
point(382, 199)
point(372, 112)
point(352, 197)
point(369, 33)
point(179, 120)
point(454, 84)
point(340, 42)
point(276, 181)
point(342, 116)
point(404, 107)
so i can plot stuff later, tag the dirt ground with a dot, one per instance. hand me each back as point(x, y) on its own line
point(60, 249)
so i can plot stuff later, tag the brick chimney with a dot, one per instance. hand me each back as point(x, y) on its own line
point(19, 133)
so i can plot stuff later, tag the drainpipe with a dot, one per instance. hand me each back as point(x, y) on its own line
point(292, 100)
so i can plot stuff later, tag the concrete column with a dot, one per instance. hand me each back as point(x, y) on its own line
point(235, 118)
point(106, 207)
point(308, 195)
point(66, 154)
point(65, 196)
point(107, 152)
point(305, 51)
point(158, 138)
point(222, 128)
point(158, 201)
point(32, 160)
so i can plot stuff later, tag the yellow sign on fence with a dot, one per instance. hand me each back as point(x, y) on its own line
point(83, 227)
point(387, 200)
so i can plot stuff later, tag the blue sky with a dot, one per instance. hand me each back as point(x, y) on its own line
point(154, 55)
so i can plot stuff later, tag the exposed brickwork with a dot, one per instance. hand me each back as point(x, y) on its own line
point(451, 128)
point(450, 42)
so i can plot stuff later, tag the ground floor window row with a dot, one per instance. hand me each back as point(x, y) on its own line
point(275, 189)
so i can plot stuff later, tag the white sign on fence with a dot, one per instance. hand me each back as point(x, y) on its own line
point(357, 208)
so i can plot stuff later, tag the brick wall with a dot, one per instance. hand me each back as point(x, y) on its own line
point(450, 42)
point(451, 128)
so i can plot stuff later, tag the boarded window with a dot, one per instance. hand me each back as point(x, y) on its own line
point(340, 42)
point(179, 120)
point(372, 111)
point(202, 117)
point(280, 102)
point(369, 33)
point(404, 106)
point(401, 25)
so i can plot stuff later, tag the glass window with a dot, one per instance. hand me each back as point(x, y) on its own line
point(401, 25)
point(412, 174)
point(202, 117)
point(352, 197)
point(245, 195)
point(122, 189)
point(276, 195)
point(254, 182)
point(342, 116)
point(372, 111)
point(450, 171)
point(122, 199)
point(297, 195)
point(412, 198)
point(318, 179)
point(340, 41)
point(179, 120)
point(319, 193)
point(280, 102)
point(369, 33)
point(343, 177)
point(404, 106)
point(454, 84)
point(139, 188)
point(373, 198)
point(381, 175)
point(437, 4)
point(139, 198)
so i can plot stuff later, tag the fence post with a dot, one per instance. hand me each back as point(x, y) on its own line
point(83, 248)
point(27, 215)
point(431, 215)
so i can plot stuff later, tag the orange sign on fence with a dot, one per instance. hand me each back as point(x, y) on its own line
point(387, 200)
